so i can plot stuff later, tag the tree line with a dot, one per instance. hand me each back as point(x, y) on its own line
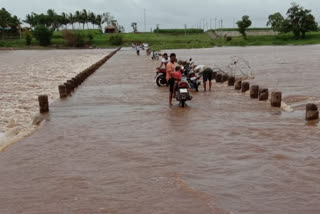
point(55, 21)
point(299, 21)
point(7, 20)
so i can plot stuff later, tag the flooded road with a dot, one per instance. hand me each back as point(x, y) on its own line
point(26, 74)
point(116, 147)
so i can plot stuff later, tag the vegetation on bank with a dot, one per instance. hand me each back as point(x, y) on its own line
point(179, 31)
point(51, 29)
point(164, 41)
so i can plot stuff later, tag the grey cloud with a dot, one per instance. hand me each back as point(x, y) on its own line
point(166, 13)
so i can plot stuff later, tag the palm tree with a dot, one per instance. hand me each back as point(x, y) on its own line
point(84, 18)
point(52, 18)
point(78, 17)
point(107, 18)
point(64, 20)
point(92, 19)
point(99, 21)
point(30, 20)
point(71, 19)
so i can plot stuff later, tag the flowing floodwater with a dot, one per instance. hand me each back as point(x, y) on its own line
point(115, 146)
point(27, 74)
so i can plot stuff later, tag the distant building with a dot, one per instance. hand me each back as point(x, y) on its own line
point(111, 29)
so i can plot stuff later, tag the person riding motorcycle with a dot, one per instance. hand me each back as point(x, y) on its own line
point(164, 61)
point(176, 75)
point(169, 69)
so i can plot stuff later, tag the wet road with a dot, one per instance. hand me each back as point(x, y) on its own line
point(116, 147)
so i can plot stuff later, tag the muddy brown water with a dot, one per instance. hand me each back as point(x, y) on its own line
point(116, 147)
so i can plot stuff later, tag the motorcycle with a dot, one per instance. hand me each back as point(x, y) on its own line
point(161, 77)
point(155, 56)
point(192, 79)
point(182, 93)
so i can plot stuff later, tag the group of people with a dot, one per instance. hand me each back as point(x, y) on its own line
point(174, 73)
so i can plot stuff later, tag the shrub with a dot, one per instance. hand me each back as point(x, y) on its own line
point(116, 40)
point(43, 35)
point(90, 37)
point(74, 38)
point(28, 37)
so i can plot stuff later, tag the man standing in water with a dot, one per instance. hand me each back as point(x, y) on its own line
point(206, 73)
point(169, 69)
point(138, 49)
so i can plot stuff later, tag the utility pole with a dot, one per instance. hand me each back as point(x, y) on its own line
point(145, 24)
point(185, 29)
point(233, 23)
point(215, 23)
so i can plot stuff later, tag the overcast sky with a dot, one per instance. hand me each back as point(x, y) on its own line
point(167, 13)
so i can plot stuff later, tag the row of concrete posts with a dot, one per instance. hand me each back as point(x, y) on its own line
point(262, 94)
point(70, 85)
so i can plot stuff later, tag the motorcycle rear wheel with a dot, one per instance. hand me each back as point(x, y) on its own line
point(161, 81)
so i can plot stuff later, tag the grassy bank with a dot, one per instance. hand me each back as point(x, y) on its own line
point(169, 41)
point(284, 39)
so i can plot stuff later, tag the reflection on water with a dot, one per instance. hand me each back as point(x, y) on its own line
point(116, 147)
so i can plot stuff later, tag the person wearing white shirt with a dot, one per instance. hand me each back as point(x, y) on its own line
point(206, 73)
point(164, 60)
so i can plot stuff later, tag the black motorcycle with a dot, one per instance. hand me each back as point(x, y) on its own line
point(192, 79)
point(182, 93)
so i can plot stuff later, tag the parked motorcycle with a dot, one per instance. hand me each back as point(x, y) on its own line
point(182, 93)
point(161, 77)
point(155, 56)
point(192, 79)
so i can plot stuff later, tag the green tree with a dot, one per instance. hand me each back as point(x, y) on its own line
point(134, 26)
point(243, 25)
point(84, 18)
point(92, 19)
point(63, 19)
point(71, 19)
point(276, 22)
point(5, 17)
point(43, 34)
point(99, 21)
point(107, 18)
point(300, 21)
point(77, 17)
point(30, 20)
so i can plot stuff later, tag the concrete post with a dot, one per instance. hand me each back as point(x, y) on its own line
point(312, 112)
point(237, 85)
point(245, 87)
point(231, 81)
point(254, 92)
point(68, 87)
point(71, 84)
point(276, 98)
point(219, 78)
point(43, 103)
point(263, 94)
point(63, 91)
point(75, 81)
